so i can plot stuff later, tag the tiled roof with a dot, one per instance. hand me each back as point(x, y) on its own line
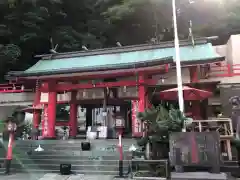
point(123, 56)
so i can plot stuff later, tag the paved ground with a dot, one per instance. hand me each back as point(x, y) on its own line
point(51, 176)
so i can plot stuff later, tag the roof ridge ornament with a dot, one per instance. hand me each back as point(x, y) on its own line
point(53, 49)
point(119, 44)
point(84, 48)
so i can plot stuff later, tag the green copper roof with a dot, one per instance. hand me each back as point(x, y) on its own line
point(111, 58)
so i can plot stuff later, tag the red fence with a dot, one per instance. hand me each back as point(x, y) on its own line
point(221, 70)
point(14, 88)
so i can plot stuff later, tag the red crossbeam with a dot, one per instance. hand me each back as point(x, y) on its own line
point(69, 87)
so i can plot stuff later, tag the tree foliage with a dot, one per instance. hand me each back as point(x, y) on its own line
point(161, 122)
point(26, 26)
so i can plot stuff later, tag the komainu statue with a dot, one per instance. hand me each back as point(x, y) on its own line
point(235, 103)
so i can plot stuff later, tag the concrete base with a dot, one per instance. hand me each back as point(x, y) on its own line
point(198, 176)
point(49, 138)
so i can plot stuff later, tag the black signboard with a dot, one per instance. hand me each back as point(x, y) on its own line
point(195, 148)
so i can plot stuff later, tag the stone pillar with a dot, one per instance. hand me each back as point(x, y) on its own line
point(36, 113)
point(52, 102)
point(73, 115)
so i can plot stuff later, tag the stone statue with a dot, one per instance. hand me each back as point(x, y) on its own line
point(235, 103)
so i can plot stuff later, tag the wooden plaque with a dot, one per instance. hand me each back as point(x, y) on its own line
point(87, 94)
point(127, 92)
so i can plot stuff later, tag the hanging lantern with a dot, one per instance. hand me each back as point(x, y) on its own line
point(124, 88)
point(93, 83)
point(162, 80)
point(84, 93)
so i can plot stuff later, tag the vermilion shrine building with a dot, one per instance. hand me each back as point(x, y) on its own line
point(129, 77)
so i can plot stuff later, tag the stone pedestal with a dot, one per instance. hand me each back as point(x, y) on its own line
point(198, 176)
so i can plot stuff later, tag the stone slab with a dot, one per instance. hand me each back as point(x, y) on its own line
point(54, 176)
point(77, 177)
point(21, 176)
point(198, 176)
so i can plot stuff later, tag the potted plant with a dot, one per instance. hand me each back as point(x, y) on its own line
point(159, 123)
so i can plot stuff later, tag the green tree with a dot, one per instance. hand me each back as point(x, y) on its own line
point(26, 26)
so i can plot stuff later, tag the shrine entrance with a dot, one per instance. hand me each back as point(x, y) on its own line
point(91, 113)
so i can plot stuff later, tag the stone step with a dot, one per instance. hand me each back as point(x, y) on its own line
point(64, 149)
point(2, 171)
point(101, 159)
point(95, 168)
point(230, 163)
point(102, 147)
point(67, 151)
point(73, 142)
point(87, 172)
point(62, 161)
point(72, 156)
point(56, 166)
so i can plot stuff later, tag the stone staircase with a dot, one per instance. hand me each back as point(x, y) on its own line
point(2, 170)
point(2, 157)
point(101, 159)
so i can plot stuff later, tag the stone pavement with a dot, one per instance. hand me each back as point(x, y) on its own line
point(51, 176)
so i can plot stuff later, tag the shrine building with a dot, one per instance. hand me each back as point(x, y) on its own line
point(123, 80)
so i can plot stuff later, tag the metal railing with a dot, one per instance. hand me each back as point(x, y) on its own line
point(223, 70)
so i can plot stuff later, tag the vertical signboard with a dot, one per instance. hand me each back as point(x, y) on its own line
point(136, 123)
point(45, 121)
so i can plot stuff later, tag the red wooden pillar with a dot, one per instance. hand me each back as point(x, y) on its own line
point(36, 113)
point(142, 96)
point(195, 108)
point(193, 73)
point(73, 115)
point(196, 112)
point(52, 102)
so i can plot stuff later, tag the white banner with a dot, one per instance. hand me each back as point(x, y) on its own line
point(136, 123)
